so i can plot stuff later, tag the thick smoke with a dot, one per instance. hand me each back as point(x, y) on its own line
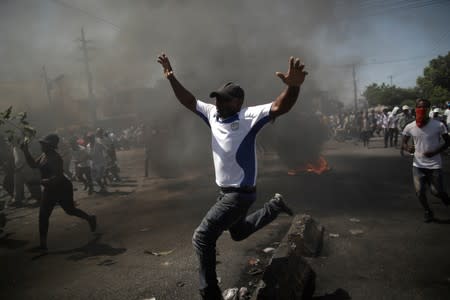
point(209, 43)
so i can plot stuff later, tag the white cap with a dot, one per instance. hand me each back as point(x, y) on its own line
point(405, 107)
point(437, 110)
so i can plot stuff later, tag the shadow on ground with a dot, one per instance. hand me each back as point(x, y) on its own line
point(92, 249)
point(338, 294)
point(8, 243)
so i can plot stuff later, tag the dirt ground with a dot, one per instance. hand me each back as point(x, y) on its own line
point(376, 245)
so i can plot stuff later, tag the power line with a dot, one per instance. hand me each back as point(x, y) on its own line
point(387, 4)
point(441, 40)
point(402, 7)
point(394, 60)
point(100, 19)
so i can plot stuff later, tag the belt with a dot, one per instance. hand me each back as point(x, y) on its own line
point(242, 189)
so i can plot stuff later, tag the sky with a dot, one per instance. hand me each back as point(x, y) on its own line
point(211, 42)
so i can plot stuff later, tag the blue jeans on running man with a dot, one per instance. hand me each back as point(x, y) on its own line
point(229, 213)
point(433, 179)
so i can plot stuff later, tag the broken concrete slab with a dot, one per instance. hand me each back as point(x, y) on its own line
point(288, 275)
point(305, 236)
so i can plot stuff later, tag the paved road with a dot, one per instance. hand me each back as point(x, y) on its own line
point(396, 256)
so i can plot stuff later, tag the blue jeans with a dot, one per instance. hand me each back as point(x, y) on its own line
point(432, 178)
point(229, 213)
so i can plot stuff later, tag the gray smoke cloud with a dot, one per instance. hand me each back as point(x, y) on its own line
point(209, 43)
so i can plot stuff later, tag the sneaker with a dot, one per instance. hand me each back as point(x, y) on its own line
point(93, 223)
point(279, 202)
point(428, 216)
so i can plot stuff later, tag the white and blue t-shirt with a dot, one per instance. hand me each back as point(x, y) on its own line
point(233, 142)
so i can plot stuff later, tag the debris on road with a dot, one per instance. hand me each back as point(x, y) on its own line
point(253, 261)
point(269, 250)
point(333, 235)
point(180, 284)
point(355, 220)
point(231, 294)
point(255, 271)
point(162, 253)
point(243, 293)
point(356, 231)
point(144, 229)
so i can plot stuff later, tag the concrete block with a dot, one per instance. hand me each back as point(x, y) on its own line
point(305, 236)
point(288, 275)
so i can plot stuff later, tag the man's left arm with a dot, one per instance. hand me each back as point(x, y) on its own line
point(294, 78)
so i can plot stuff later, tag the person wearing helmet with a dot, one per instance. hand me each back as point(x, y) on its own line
point(436, 114)
point(57, 188)
point(427, 134)
point(233, 137)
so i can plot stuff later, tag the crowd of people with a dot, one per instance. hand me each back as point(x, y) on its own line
point(378, 121)
point(88, 157)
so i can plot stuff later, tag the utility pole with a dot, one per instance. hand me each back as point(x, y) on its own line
point(390, 77)
point(354, 88)
point(47, 85)
point(92, 104)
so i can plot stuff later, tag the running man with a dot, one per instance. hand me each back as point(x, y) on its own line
point(430, 139)
point(234, 131)
point(57, 187)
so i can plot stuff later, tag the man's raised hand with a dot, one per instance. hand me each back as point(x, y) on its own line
point(295, 75)
point(165, 63)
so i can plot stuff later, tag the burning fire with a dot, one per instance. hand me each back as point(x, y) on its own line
point(318, 168)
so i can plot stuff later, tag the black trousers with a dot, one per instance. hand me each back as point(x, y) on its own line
point(62, 194)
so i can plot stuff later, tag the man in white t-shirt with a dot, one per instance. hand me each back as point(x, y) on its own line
point(430, 139)
point(233, 134)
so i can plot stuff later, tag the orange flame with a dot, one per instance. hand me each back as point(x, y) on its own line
point(318, 168)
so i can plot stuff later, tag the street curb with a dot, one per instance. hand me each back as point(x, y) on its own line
point(288, 276)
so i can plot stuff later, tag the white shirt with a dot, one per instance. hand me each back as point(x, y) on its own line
point(384, 120)
point(233, 142)
point(447, 114)
point(427, 138)
point(392, 121)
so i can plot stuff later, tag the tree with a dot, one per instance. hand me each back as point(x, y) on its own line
point(15, 127)
point(435, 82)
point(389, 95)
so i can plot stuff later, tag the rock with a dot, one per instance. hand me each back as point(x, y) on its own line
point(305, 236)
point(243, 293)
point(268, 250)
point(288, 275)
point(231, 294)
point(356, 231)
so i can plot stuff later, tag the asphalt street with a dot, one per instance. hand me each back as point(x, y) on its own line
point(376, 244)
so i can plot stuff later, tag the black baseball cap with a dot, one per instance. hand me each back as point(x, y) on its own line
point(228, 91)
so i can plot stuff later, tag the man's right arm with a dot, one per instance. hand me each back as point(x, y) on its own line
point(183, 95)
point(405, 147)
